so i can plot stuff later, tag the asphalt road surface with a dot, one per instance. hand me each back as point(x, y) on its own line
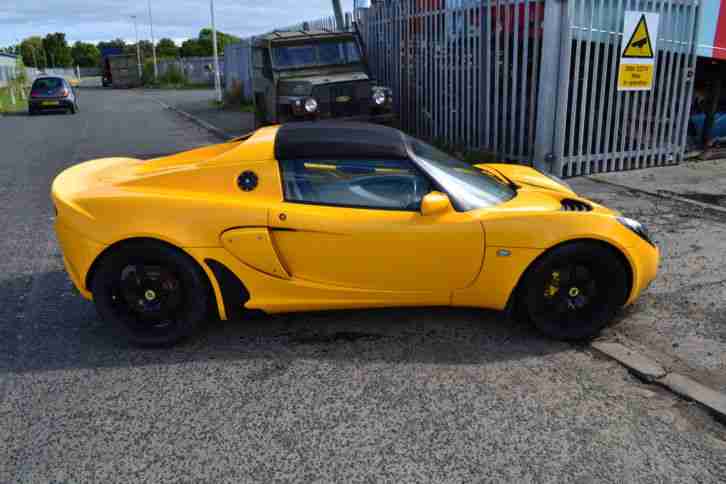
point(396, 395)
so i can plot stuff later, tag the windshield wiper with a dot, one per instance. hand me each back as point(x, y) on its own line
point(502, 177)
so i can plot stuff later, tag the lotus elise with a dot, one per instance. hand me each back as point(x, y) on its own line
point(318, 216)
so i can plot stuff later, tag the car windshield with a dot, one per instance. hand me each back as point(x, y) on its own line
point(324, 53)
point(468, 187)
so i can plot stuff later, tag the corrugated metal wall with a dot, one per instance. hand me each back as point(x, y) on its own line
point(237, 68)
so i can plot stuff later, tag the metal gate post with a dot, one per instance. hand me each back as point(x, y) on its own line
point(549, 78)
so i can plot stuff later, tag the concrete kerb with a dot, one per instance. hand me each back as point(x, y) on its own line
point(209, 127)
point(653, 372)
point(662, 194)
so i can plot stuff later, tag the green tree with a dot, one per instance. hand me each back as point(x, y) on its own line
point(115, 44)
point(202, 45)
point(192, 48)
point(85, 55)
point(144, 46)
point(57, 50)
point(205, 36)
point(31, 50)
point(167, 48)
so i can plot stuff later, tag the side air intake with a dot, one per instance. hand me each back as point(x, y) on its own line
point(569, 205)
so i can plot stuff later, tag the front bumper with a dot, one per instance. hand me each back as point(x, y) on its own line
point(384, 118)
point(644, 259)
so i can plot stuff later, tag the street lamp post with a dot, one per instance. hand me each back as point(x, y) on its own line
point(217, 81)
point(138, 48)
point(153, 44)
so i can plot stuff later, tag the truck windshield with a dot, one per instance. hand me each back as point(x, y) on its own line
point(324, 53)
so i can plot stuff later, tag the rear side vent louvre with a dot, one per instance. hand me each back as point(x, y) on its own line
point(569, 205)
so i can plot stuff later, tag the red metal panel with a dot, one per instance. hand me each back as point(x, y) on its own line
point(719, 41)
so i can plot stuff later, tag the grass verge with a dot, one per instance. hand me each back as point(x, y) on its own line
point(6, 104)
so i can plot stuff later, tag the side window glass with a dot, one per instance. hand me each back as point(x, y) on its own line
point(377, 184)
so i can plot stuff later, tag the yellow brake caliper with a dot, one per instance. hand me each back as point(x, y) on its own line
point(554, 285)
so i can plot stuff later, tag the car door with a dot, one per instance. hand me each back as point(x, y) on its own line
point(357, 224)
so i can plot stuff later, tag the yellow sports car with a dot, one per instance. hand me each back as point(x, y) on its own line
point(315, 216)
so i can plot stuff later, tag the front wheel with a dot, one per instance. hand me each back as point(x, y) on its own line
point(575, 290)
point(153, 294)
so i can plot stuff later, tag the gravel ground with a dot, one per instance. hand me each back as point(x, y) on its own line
point(424, 395)
point(682, 316)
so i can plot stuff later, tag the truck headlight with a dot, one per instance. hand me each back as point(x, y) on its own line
point(379, 97)
point(638, 228)
point(311, 105)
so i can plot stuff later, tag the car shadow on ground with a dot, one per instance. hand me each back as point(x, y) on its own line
point(63, 331)
point(25, 113)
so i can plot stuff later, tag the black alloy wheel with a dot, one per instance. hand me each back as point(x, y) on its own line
point(575, 290)
point(154, 294)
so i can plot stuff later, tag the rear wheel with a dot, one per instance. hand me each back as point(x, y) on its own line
point(575, 290)
point(153, 294)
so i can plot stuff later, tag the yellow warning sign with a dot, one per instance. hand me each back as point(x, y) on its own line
point(637, 51)
point(639, 46)
point(634, 77)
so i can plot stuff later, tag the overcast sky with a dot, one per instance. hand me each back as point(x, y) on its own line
point(94, 20)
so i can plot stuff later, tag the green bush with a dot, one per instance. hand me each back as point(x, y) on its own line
point(173, 76)
point(147, 73)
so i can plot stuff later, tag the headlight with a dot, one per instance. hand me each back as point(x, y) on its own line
point(379, 97)
point(638, 228)
point(311, 105)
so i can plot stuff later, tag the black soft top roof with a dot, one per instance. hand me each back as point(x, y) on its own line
point(333, 140)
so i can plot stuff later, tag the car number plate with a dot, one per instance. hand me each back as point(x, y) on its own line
point(50, 103)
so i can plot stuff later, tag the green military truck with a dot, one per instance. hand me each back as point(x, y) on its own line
point(313, 75)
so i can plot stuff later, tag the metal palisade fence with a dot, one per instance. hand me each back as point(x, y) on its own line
point(464, 73)
point(535, 80)
point(599, 129)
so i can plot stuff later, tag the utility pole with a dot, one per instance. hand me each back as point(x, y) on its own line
point(138, 48)
point(340, 25)
point(153, 44)
point(217, 82)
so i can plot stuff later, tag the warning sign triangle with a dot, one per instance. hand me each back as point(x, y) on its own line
point(639, 45)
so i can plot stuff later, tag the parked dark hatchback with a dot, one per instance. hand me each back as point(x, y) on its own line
point(52, 94)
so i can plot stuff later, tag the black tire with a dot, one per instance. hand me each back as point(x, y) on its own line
point(152, 294)
point(72, 109)
point(575, 290)
point(32, 112)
